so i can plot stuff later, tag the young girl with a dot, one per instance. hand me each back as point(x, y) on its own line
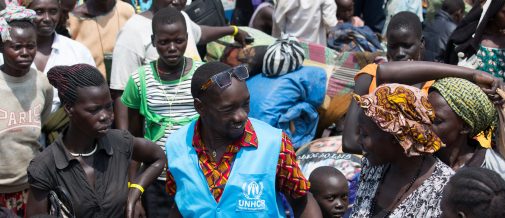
point(89, 161)
point(26, 103)
point(159, 94)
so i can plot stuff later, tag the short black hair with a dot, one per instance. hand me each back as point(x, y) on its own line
point(167, 15)
point(68, 78)
point(406, 20)
point(453, 6)
point(204, 73)
point(477, 191)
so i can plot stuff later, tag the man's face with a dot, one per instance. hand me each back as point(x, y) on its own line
point(225, 110)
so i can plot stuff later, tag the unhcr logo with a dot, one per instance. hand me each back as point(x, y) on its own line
point(252, 197)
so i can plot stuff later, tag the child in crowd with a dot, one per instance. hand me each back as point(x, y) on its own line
point(474, 192)
point(330, 189)
point(350, 34)
point(26, 104)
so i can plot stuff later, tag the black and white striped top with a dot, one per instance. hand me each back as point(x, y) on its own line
point(169, 99)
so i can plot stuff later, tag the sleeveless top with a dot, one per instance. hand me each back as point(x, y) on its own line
point(371, 70)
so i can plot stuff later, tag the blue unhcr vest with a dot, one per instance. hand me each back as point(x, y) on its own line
point(250, 190)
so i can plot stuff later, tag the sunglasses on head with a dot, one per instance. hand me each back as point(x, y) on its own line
point(223, 79)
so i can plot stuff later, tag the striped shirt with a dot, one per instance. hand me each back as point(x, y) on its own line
point(170, 99)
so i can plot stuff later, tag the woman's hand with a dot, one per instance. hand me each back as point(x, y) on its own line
point(489, 84)
point(134, 207)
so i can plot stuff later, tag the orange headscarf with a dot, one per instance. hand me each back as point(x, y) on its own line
point(403, 111)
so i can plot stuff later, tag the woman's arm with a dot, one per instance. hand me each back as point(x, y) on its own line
point(412, 72)
point(37, 202)
point(350, 135)
point(154, 159)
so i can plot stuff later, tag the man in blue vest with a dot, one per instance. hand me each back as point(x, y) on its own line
point(228, 165)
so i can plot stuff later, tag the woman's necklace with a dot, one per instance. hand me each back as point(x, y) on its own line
point(170, 100)
point(84, 154)
point(374, 201)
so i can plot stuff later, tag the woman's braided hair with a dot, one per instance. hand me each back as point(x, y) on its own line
point(477, 191)
point(68, 78)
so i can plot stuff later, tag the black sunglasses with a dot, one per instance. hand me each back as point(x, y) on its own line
point(223, 79)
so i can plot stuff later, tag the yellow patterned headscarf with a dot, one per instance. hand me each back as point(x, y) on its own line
point(403, 111)
point(469, 102)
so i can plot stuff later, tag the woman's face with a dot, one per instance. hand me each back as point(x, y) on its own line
point(447, 125)
point(170, 40)
point(92, 113)
point(19, 52)
point(48, 16)
point(379, 147)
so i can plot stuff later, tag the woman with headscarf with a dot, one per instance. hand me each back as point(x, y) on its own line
point(400, 177)
point(463, 111)
point(481, 34)
point(26, 102)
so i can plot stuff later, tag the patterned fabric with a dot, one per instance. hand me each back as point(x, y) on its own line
point(284, 56)
point(346, 37)
point(11, 13)
point(422, 202)
point(493, 61)
point(290, 179)
point(405, 112)
point(469, 102)
point(16, 202)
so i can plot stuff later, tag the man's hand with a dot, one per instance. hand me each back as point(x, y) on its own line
point(240, 37)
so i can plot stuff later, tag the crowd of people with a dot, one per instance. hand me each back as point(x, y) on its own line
point(323, 108)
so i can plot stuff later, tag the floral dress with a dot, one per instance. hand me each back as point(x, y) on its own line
point(493, 61)
point(422, 202)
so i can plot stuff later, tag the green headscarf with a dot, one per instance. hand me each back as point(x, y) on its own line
point(469, 102)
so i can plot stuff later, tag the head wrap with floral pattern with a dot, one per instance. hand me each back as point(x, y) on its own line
point(11, 13)
point(403, 111)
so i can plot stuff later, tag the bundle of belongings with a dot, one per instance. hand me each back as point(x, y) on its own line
point(292, 80)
